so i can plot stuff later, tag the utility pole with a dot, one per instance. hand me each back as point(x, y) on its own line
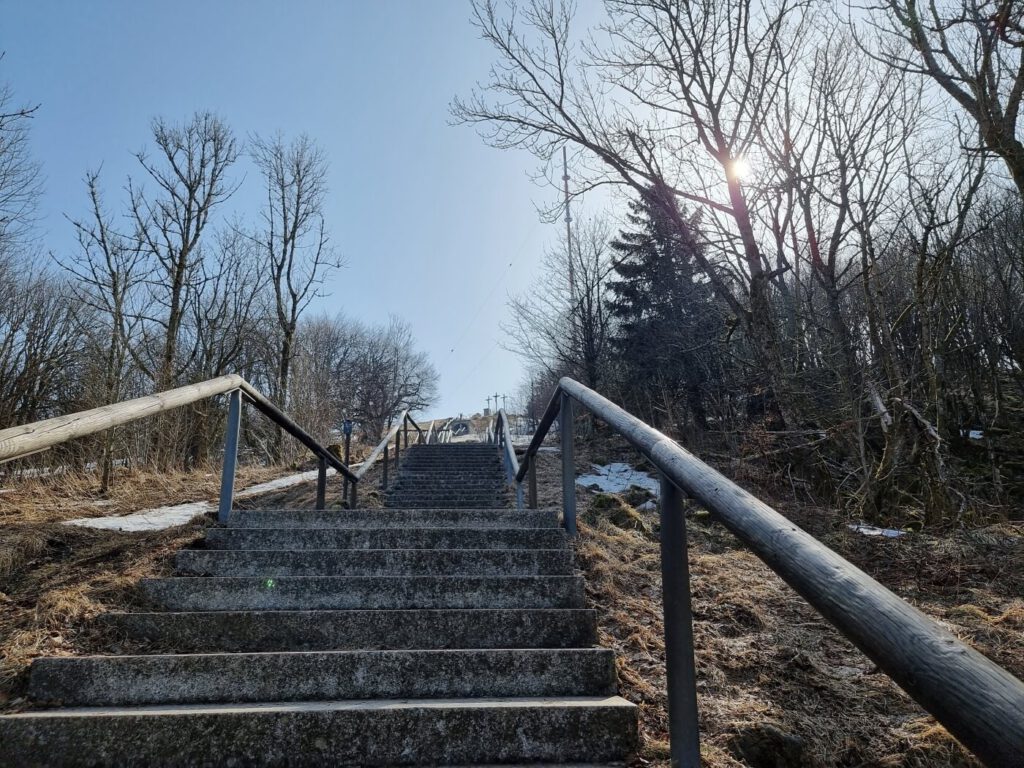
point(495, 401)
point(488, 403)
point(504, 402)
point(568, 228)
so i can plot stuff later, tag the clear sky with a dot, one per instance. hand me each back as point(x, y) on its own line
point(428, 217)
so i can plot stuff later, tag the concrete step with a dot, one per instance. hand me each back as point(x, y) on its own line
point(453, 483)
point(369, 733)
point(385, 538)
point(448, 466)
point(215, 593)
point(394, 518)
point(411, 502)
point(374, 562)
point(337, 630)
point(102, 681)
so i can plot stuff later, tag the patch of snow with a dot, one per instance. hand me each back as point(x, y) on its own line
point(179, 514)
point(147, 520)
point(617, 478)
point(648, 506)
point(549, 449)
point(870, 530)
point(281, 482)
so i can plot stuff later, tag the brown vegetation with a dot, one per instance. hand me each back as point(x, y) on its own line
point(777, 685)
point(54, 578)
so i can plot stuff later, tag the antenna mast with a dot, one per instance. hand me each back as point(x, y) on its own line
point(568, 228)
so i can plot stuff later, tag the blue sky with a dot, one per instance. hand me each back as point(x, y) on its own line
point(428, 217)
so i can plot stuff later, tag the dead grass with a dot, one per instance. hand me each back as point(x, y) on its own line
point(55, 578)
point(777, 685)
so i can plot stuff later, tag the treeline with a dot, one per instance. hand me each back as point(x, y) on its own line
point(820, 266)
point(165, 289)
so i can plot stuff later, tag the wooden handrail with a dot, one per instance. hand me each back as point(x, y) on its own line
point(18, 442)
point(978, 701)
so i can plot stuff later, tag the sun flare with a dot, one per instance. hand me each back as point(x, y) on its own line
point(739, 168)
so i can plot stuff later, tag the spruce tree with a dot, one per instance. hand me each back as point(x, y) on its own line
point(667, 319)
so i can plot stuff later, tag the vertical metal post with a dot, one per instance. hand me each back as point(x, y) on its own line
point(353, 495)
point(679, 665)
point(406, 431)
point(345, 481)
point(398, 451)
point(384, 477)
point(533, 482)
point(227, 478)
point(566, 425)
point(321, 485)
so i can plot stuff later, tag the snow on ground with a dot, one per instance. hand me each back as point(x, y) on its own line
point(870, 530)
point(617, 478)
point(148, 519)
point(179, 514)
point(282, 482)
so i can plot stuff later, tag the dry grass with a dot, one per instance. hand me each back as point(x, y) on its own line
point(55, 578)
point(777, 685)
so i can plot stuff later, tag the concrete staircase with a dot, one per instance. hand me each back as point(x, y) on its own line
point(409, 635)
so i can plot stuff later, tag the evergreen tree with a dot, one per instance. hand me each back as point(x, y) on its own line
point(666, 315)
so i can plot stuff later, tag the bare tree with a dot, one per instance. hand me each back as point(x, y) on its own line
point(293, 238)
point(20, 184)
point(190, 175)
point(563, 326)
point(973, 50)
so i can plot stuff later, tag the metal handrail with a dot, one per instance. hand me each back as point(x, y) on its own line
point(27, 439)
point(504, 439)
point(398, 429)
point(978, 701)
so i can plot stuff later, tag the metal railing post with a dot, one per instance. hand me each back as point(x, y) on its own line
point(353, 495)
point(321, 485)
point(384, 476)
point(405, 437)
point(533, 482)
point(680, 669)
point(227, 478)
point(398, 451)
point(566, 424)
point(345, 481)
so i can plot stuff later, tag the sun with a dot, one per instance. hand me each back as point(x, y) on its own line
point(739, 168)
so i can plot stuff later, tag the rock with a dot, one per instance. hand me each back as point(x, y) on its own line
point(765, 746)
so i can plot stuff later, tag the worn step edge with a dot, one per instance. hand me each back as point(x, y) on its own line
point(374, 562)
point(393, 517)
point(225, 593)
point(386, 538)
point(378, 732)
point(358, 629)
point(321, 675)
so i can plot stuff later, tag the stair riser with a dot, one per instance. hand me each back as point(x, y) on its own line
point(363, 593)
point(358, 630)
point(411, 538)
point(402, 562)
point(388, 518)
point(330, 676)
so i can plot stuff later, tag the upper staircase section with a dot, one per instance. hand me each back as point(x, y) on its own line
point(452, 476)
